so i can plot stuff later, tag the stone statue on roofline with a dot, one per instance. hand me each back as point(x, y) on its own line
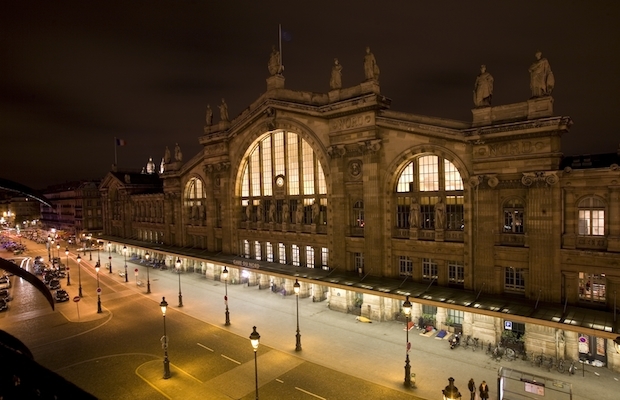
point(178, 155)
point(371, 69)
point(209, 116)
point(542, 80)
point(167, 155)
point(483, 88)
point(336, 79)
point(223, 111)
point(275, 66)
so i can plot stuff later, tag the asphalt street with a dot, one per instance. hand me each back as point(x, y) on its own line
point(118, 354)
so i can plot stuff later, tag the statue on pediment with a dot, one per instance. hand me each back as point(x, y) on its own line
point(223, 111)
point(336, 80)
point(542, 80)
point(167, 155)
point(371, 69)
point(209, 116)
point(275, 66)
point(483, 88)
point(178, 156)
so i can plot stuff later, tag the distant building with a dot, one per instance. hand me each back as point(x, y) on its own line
point(483, 224)
point(76, 208)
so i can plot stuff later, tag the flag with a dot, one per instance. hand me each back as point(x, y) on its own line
point(287, 36)
point(120, 142)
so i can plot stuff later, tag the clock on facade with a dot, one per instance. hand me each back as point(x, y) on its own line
point(279, 181)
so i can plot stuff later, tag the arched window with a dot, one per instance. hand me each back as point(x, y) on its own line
point(591, 217)
point(514, 216)
point(424, 183)
point(194, 201)
point(282, 180)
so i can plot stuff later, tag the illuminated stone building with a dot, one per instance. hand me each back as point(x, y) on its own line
point(483, 223)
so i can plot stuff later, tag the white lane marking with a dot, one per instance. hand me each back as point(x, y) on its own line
point(279, 380)
point(204, 347)
point(310, 393)
point(233, 360)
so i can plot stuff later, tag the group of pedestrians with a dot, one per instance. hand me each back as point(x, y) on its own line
point(483, 390)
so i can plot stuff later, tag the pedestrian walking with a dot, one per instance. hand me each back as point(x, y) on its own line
point(472, 389)
point(484, 391)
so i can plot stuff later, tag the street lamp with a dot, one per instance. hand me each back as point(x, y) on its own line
point(125, 254)
point(255, 339)
point(68, 276)
point(296, 288)
point(110, 256)
point(178, 268)
point(225, 277)
point(84, 243)
point(148, 281)
point(79, 260)
point(98, 259)
point(58, 253)
point(90, 247)
point(164, 339)
point(98, 290)
point(451, 392)
point(52, 249)
point(407, 311)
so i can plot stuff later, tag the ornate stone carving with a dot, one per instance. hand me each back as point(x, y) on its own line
point(355, 168)
point(475, 180)
point(492, 181)
point(614, 167)
point(542, 177)
point(568, 170)
point(336, 151)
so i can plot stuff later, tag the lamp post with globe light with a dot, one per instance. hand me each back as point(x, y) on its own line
point(79, 260)
point(97, 266)
point(407, 311)
point(225, 277)
point(164, 339)
point(296, 289)
point(110, 256)
point(148, 280)
point(58, 253)
point(178, 268)
point(255, 339)
point(125, 254)
point(68, 276)
point(451, 392)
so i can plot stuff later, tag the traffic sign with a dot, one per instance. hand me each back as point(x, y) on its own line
point(76, 299)
point(98, 290)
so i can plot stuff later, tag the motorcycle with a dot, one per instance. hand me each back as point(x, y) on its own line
point(455, 340)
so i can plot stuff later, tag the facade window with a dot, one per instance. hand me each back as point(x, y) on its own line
point(246, 249)
point(513, 216)
point(456, 273)
point(592, 287)
point(282, 253)
point(195, 200)
point(283, 161)
point(269, 251)
point(429, 310)
point(309, 257)
point(405, 266)
point(429, 269)
point(591, 217)
point(325, 258)
point(358, 261)
point(456, 317)
point(295, 255)
point(257, 250)
point(430, 178)
point(514, 279)
point(358, 214)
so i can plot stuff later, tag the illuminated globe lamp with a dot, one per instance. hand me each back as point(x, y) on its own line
point(451, 392)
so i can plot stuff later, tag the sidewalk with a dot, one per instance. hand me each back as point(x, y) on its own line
point(371, 351)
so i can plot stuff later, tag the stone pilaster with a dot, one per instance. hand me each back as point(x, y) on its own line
point(613, 241)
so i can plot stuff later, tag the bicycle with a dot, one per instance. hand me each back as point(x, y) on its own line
point(560, 366)
point(474, 346)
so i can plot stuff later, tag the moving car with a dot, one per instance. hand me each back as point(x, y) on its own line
point(61, 295)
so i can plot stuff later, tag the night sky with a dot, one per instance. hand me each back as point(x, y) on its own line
point(74, 75)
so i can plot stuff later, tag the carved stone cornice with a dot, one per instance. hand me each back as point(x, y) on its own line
point(217, 167)
point(336, 151)
point(548, 178)
point(476, 180)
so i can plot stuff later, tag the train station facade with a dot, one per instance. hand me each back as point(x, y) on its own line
point(483, 224)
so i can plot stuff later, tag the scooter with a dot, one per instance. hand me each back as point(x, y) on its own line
point(456, 340)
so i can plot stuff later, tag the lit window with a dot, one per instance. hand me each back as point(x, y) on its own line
point(429, 270)
point(257, 250)
point(591, 217)
point(295, 255)
point(281, 253)
point(269, 251)
point(246, 249)
point(358, 214)
point(592, 287)
point(514, 279)
point(309, 257)
point(324, 258)
point(513, 216)
point(428, 174)
point(359, 262)
point(405, 266)
point(456, 273)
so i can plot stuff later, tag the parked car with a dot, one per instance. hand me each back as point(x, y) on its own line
point(61, 295)
point(54, 284)
point(5, 283)
point(4, 305)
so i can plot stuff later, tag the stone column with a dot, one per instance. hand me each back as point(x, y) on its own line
point(570, 222)
point(613, 240)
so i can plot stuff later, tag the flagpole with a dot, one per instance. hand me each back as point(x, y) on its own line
point(115, 158)
point(280, 43)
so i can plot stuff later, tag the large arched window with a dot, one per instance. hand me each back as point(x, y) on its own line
point(591, 217)
point(429, 195)
point(283, 181)
point(194, 201)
